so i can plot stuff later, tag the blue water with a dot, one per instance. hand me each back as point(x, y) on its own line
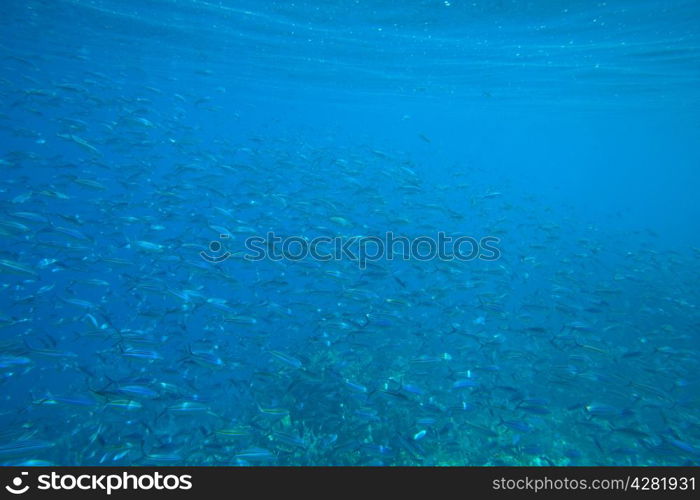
point(145, 145)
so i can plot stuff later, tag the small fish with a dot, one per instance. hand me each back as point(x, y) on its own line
point(16, 268)
point(255, 455)
point(341, 221)
point(274, 412)
point(24, 447)
point(81, 142)
point(241, 320)
point(7, 361)
point(31, 216)
point(90, 183)
point(80, 303)
point(73, 233)
point(149, 246)
point(124, 404)
point(420, 435)
point(287, 359)
point(188, 407)
point(137, 390)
